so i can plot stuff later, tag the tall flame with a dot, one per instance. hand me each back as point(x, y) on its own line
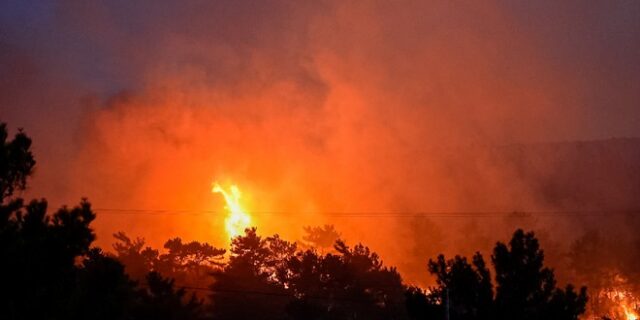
point(629, 313)
point(623, 303)
point(237, 220)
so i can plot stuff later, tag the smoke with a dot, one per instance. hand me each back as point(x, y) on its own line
point(327, 107)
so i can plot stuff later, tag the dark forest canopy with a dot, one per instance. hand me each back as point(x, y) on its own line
point(51, 270)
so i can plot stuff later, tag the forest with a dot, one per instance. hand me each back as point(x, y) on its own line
point(51, 269)
point(327, 159)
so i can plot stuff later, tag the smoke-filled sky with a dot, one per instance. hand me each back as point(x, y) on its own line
point(310, 107)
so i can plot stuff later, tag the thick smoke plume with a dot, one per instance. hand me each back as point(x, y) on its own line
point(317, 109)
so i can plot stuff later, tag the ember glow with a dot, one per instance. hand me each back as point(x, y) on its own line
point(626, 304)
point(237, 219)
point(617, 303)
point(629, 314)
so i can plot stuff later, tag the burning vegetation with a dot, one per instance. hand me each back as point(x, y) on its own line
point(615, 303)
point(56, 271)
point(607, 265)
point(342, 133)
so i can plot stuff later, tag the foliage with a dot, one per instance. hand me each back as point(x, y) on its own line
point(280, 282)
point(189, 263)
point(160, 300)
point(352, 284)
point(250, 279)
point(525, 289)
point(40, 253)
point(50, 270)
point(16, 162)
point(465, 286)
point(321, 237)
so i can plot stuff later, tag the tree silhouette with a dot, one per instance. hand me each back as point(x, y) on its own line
point(466, 288)
point(16, 162)
point(321, 237)
point(352, 284)
point(279, 282)
point(189, 264)
point(159, 300)
point(192, 255)
point(41, 253)
point(250, 279)
point(103, 290)
point(50, 271)
point(137, 258)
point(422, 305)
point(525, 289)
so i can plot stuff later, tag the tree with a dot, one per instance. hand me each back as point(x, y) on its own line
point(16, 162)
point(159, 300)
point(422, 305)
point(351, 284)
point(321, 237)
point(279, 282)
point(191, 255)
point(138, 259)
point(250, 279)
point(103, 290)
point(465, 287)
point(48, 268)
point(525, 288)
point(189, 263)
point(40, 254)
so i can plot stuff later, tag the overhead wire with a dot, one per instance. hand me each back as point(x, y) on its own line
point(382, 214)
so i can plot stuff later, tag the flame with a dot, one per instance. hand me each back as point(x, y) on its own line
point(624, 304)
point(237, 220)
point(629, 313)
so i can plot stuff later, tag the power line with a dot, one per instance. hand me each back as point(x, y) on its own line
point(382, 214)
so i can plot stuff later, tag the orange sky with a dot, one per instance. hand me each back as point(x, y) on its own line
point(328, 106)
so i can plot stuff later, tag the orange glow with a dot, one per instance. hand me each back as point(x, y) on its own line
point(237, 220)
point(629, 314)
point(627, 305)
point(353, 111)
point(624, 304)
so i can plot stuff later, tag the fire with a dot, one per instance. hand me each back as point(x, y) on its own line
point(237, 220)
point(627, 304)
point(624, 304)
point(629, 313)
